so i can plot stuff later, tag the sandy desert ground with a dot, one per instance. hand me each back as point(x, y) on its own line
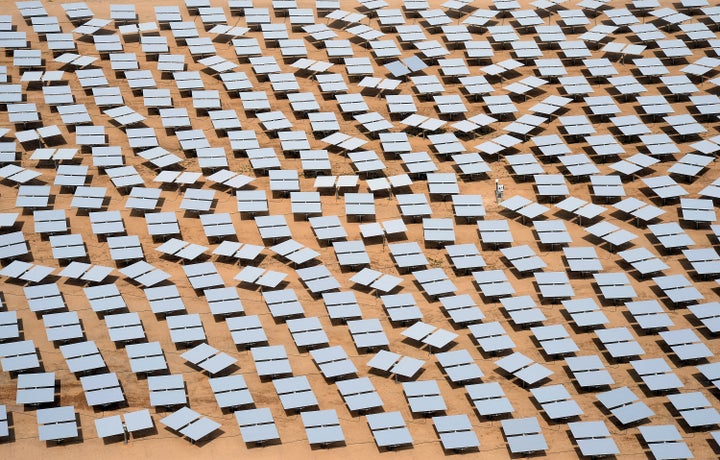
point(359, 443)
